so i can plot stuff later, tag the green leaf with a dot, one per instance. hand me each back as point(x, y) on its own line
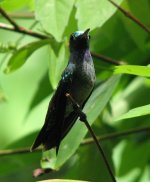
point(2, 95)
point(57, 64)
point(14, 5)
point(136, 112)
point(44, 90)
point(84, 154)
point(93, 108)
point(93, 14)
point(21, 55)
point(54, 15)
point(133, 70)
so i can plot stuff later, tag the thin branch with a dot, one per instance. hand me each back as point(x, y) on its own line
point(10, 20)
point(23, 30)
point(84, 142)
point(17, 151)
point(116, 135)
point(106, 59)
point(129, 15)
point(83, 118)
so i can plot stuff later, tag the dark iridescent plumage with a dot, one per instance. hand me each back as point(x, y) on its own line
point(77, 79)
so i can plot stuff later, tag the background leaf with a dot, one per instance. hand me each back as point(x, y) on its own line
point(133, 70)
point(136, 112)
point(51, 15)
point(57, 64)
point(21, 55)
point(97, 13)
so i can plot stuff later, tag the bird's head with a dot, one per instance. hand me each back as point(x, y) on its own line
point(79, 40)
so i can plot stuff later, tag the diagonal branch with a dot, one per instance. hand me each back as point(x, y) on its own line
point(83, 118)
point(107, 59)
point(11, 21)
point(130, 16)
point(23, 30)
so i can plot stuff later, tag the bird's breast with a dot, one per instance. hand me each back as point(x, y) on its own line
point(83, 82)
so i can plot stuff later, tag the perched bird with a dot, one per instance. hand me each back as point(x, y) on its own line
point(78, 80)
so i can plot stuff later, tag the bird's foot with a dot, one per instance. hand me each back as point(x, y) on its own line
point(77, 108)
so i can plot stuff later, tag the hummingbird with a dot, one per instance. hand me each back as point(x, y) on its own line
point(78, 80)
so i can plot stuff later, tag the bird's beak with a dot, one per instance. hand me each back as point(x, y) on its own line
point(85, 34)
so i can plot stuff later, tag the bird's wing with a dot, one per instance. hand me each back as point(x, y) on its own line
point(51, 132)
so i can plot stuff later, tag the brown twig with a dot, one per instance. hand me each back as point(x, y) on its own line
point(83, 118)
point(117, 135)
point(23, 30)
point(129, 15)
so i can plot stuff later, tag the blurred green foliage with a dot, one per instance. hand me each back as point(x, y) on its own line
point(31, 68)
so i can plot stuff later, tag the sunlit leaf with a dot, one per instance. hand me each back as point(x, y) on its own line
point(54, 15)
point(136, 112)
point(133, 70)
point(16, 5)
point(94, 13)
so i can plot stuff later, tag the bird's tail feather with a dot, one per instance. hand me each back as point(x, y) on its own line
point(39, 140)
point(48, 138)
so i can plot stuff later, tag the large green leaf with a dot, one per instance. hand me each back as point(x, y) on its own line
point(95, 105)
point(54, 15)
point(136, 112)
point(21, 55)
point(133, 70)
point(94, 13)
